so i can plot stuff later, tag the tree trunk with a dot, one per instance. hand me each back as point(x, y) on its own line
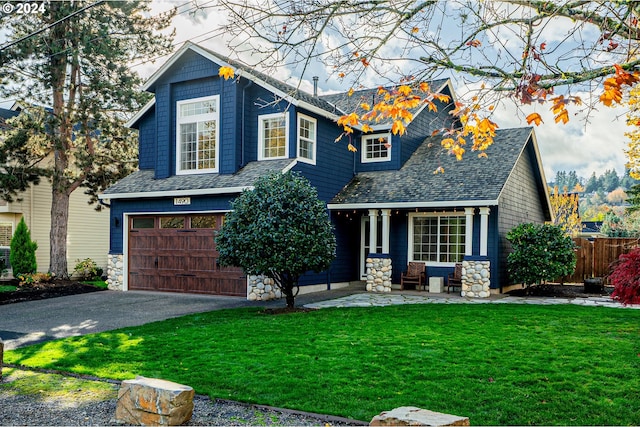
point(58, 235)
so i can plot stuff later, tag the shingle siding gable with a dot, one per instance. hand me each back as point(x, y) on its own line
point(519, 202)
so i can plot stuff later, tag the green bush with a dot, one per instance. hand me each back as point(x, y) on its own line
point(280, 229)
point(87, 269)
point(541, 252)
point(23, 251)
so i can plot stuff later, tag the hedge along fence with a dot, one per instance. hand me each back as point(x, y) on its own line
point(594, 257)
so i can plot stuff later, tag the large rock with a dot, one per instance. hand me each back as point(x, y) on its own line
point(412, 416)
point(151, 401)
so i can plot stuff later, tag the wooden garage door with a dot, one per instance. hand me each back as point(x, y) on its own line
point(177, 254)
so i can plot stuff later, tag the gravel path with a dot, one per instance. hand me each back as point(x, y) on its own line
point(30, 410)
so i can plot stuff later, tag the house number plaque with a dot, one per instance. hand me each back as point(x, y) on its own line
point(181, 201)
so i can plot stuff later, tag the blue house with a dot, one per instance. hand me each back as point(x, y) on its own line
point(203, 140)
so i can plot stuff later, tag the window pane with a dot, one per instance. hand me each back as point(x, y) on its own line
point(273, 137)
point(6, 231)
point(207, 145)
point(142, 223)
point(376, 148)
point(172, 222)
point(188, 145)
point(208, 221)
point(439, 238)
point(306, 138)
point(197, 108)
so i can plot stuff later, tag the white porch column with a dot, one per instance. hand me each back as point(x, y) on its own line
point(468, 238)
point(484, 231)
point(386, 215)
point(373, 230)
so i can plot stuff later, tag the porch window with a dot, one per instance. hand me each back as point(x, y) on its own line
point(273, 136)
point(437, 238)
point(306, 139)
point(376, 148)
point(197, 135)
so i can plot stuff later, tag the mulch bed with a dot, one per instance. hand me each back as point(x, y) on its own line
point(56, 288)
point(558, 290)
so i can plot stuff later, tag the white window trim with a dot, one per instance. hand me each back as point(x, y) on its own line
point(410, 235)
point(198, 118)
point(261, 120)
point(315, 140)
point(364, 138)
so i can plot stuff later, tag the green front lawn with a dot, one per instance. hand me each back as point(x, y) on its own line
point(8, 288)
point(497, 364)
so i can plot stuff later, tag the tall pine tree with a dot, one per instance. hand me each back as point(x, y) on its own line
point(77, 89)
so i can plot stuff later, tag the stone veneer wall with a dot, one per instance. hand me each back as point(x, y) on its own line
point(262, 288)
point(476, 278)
point(379, 274)
point(115, 272)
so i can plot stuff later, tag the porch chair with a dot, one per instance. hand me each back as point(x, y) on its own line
point(454, 280)
point(415, 274)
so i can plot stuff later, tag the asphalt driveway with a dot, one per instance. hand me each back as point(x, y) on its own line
point(27, 323)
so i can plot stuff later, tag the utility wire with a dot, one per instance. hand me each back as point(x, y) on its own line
point(8, 45)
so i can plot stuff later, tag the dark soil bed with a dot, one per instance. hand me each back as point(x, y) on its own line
point(559, 291)
point(56, 288)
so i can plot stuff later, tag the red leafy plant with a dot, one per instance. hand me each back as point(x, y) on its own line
point(625, 278)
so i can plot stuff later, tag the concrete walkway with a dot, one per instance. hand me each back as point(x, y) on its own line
point(377, 300)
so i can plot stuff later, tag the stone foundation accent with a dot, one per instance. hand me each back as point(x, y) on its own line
point(379, 272)
point(412, 416)
point(115, 272)
point(151, 401)
point(476, 278)
point(262, 288)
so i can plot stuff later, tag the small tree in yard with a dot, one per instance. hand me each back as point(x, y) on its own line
point(280, 229)
point(625, 278)
point(23, 251)
point(541, 252)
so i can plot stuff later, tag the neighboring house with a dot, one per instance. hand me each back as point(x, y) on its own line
point(203, 140)
point(88, 233)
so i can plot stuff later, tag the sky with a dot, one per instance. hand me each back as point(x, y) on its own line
point(587, 144)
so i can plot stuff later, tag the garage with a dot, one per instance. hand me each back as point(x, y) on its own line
point(177, 253)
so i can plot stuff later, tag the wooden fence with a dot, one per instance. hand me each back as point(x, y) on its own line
point(594, 257)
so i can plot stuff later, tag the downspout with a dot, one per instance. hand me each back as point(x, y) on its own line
point(242, 142)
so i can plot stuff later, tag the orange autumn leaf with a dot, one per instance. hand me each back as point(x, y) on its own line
point(562, 116)
point(534, 118)
point(350, 93)
point(226, 73)
point(398, 128)
point(404, 90)
point(348, 120)
point(352, 148)
point(438, 170)
point(474, 43)
point(365, 106)
point(415, 30)
point(366, 128)
point(424, 87)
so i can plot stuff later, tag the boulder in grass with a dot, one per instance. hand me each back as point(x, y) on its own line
point(151, 401)
point(412, 416)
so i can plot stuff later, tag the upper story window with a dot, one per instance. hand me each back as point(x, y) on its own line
point(307, 139)
point(197, 136)
point(376, 148)
point(273, 136)
point(437, 238)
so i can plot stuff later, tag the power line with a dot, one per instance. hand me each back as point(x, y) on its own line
point(8, 45)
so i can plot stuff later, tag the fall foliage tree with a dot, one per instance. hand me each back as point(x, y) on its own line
point(538, 52)
point(564, 213)
point(69, 66)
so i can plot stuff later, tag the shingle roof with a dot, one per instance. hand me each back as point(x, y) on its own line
point(471, 179)
point(347, 103)
point(6, 114)
point(143, 183)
